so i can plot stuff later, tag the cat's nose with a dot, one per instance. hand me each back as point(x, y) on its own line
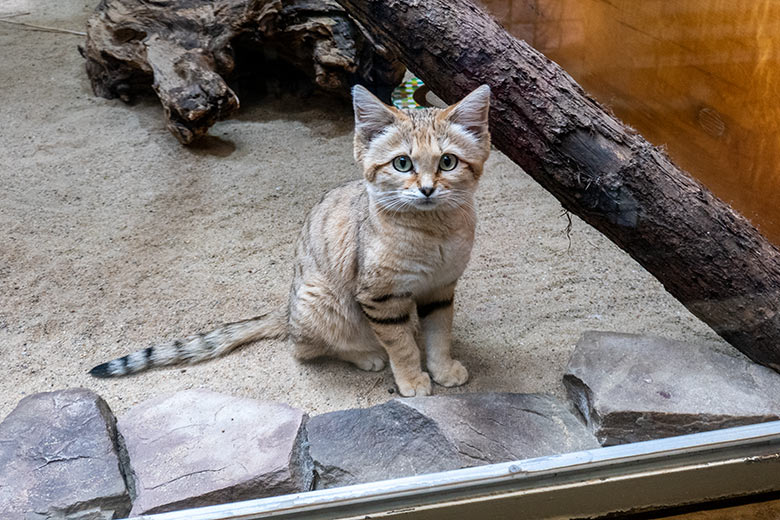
point(427, 190)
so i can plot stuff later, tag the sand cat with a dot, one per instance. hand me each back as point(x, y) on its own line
point(377, 260)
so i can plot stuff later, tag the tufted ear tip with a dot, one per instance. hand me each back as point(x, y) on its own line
point(483, 91)
point(358, 91)
point(472, 111)
point(371, 115)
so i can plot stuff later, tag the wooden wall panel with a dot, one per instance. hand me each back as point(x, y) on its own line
point(700, 77)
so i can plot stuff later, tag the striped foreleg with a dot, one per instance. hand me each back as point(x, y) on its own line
point(435, 314)
point(393, 319)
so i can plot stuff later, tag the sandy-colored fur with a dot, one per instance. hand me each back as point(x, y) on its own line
point(377, 261)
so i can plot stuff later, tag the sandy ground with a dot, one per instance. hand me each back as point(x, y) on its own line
point(113, 236)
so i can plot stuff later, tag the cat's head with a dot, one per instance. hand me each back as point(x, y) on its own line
point(422, 159)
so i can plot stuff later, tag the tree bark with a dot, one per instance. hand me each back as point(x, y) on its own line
point(705, 254)
point(185, 50)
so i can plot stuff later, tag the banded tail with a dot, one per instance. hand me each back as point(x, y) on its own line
point(198, 347)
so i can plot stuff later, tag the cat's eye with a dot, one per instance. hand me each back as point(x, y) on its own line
point(448, 162)
point(402, 163)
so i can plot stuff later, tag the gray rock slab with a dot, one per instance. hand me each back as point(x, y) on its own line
point(197, 448)
point(487, 428)
point(59, 459)
point(632, 388)
point(408, 437)
point(386, 441)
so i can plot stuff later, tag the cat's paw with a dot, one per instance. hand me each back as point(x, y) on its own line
point(415, 386)
point(370, 363)
point(453, 374)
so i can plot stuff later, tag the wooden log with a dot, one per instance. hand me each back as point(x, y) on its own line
point(185, 50)
point(705, 254)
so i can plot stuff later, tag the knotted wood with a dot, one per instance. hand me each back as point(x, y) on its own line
point(705, 254)
point(185, 50)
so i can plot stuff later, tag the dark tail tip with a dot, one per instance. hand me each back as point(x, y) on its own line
point(101, 371)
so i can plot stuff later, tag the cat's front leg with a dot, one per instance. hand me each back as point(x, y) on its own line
point(393, 320)
point(435, 315)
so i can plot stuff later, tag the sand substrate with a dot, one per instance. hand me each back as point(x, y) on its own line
point(114, 236)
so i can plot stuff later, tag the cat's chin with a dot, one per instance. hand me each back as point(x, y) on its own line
point(426, 204)
point(411, 206)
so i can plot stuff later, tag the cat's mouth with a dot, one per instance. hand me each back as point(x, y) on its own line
point(426, 203)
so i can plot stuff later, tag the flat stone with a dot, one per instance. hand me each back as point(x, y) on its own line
point(386, 441)
point(406, 437)
point(59, 459)
point(632, 388)
point(197, 448)
point(487, 428)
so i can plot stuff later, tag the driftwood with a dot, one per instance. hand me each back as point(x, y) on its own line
point(706, 255)
point(186, 50)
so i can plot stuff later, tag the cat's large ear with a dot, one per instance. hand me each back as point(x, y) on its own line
point(372, 116)
point(471, 112)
